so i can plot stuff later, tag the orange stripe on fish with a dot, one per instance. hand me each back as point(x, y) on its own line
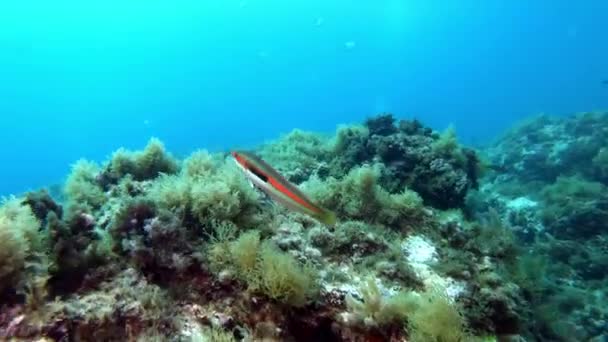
point(291, 195)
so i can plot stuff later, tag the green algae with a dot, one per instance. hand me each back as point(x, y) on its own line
point(193, 233)
point(263, 268)
point(20, 243)
point(557, 162)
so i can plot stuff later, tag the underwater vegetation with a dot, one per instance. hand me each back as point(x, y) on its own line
point(553, 193)
point(429, 242)
point(413, 156)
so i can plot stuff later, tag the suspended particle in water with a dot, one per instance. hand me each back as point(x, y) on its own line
point(350, 44)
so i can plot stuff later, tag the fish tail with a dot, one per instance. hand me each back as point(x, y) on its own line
point(327, 217)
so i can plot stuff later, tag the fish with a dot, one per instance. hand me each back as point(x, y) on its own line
point(279, 189)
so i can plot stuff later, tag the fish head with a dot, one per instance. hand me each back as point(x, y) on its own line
point(239, 158)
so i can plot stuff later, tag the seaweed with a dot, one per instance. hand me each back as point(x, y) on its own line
point(141, 165)
point(375, 310)
point(359, 196)
point(145, 240)
point(436, 319)
point(280, 277)
point(20, 241)
point(263, 267)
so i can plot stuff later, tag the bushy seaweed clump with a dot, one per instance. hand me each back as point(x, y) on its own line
point(76, 241)
point(207, 190)
point(375, 310)
point(262, 267)
point(428, 316)
point(298, 155)
point(140, 165)
point(20, 242)
point(434, 165)
point(436, 319)
point(83, 192)
point(359, 196)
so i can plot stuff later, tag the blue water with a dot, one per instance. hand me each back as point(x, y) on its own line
point(82, 78)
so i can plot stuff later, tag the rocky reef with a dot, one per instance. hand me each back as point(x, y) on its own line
point(431, 244)
point(550, 188)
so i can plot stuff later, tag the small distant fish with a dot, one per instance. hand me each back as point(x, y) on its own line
point(278, 188)
point(605, 82)
point(350, 44)
point(319, 21)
